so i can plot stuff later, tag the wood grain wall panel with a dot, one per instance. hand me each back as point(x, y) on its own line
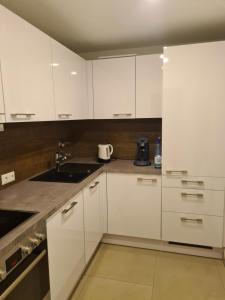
point(29, 148)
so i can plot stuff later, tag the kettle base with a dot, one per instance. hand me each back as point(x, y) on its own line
point(103, 161)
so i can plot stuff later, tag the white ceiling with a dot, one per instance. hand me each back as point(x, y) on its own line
point(91, 25)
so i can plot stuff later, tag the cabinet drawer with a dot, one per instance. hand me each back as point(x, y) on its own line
point(186, 182)
point(204, 202)
point(192, 229)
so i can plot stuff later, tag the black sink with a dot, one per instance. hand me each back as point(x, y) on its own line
point(69, 173)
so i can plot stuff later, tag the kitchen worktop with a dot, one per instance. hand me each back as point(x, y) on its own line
point(47, 197)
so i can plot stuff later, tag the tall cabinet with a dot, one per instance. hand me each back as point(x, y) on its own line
point(2, 108)
point(26, 70)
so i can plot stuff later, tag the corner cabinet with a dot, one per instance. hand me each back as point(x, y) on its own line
point(148, 86)
point(134, 205)
point(114, 88)
point(26, 70)
point(65, 231)
point(94, 214)
point(70, 83)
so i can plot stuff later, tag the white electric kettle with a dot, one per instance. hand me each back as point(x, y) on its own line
point(105, 152)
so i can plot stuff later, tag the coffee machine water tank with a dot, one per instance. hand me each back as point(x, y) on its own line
point(142, 157)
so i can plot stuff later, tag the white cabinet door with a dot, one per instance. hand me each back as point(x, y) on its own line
point(114, 88)
point(92, 217)
point(26, 70)
point(194, 109)
point(65, 235)
point(70, 83)
point(2, 108)
point(134, 205)
point(90, 93)
point(148, 86)
point(103, 203)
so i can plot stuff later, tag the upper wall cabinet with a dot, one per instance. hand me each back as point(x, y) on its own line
point(2, 108)
point(26, 70)
point(70, 83)
point(114, 88)
point(194, 110)
point(148, 86)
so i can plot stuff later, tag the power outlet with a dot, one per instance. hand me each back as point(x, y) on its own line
point(8, 177)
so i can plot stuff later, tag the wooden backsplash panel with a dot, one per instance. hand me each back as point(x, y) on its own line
point(29, 148)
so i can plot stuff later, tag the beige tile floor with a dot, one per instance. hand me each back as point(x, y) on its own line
point(122, 273)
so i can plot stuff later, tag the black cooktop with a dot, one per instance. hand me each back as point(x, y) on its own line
point(9, 219)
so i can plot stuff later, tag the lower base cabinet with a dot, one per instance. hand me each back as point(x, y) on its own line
point(65, 232)
point(94, 224)
point(134, 205)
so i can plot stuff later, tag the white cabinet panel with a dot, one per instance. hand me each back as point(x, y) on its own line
point(194, 109)
point(92, 218)
point(148, 86)
point(192, 229)
point(114, 88)
point(65, 232)
point(2, 107)
point(134, 205)
point(103, 203)
point(70, 83)
point(90, 93)
point(26, 70)
point(204, 202)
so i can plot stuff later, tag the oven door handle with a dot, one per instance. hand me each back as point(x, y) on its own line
point(22, 275)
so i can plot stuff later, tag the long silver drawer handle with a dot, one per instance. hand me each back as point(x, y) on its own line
point(192, 181)
point(64, 115)
point(183, 219)
point(198, 195)
point(66, 210)
point(122, 114)
point(176, 172)
point(19, 279)
point(91, 187)
point(147, 179)
point(23, 114)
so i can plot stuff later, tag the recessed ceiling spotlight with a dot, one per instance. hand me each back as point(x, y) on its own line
point(55, 64)
point(73, 73)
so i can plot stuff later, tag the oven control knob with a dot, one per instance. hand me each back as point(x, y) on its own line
point(26, 250)
point(40, 236)
point(35, 242)
point(2, 275)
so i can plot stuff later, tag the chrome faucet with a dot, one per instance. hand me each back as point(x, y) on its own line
point(61, 155)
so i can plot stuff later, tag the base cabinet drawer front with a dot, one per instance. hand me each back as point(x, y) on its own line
point(134, 205)
point(192, 229)
point(188, 182)
point(65, 231)
point(92, 217)
point(206, 202)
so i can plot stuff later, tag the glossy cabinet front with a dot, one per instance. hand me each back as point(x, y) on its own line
point(26, 70)
point(65, 231)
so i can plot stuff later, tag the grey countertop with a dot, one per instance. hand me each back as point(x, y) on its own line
point(45, 198)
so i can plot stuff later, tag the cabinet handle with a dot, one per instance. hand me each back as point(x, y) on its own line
point(198, 195)
point(147, 179)
point(91, 187)
point(122, 114)
point(64, 115)
point(23, 114)
point(2, 113)
point(199, 182)
point(66, 210)
point(199, 221)
point(177, 172)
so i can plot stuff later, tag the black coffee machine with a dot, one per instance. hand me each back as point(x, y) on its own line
point(142, 157)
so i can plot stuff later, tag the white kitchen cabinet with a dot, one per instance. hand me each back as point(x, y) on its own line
point(70, 83)
point(2, 107)
point(90, 93)
point(65, 236)
point(194, 110)
point(114, 88)
point(134, 205)
point(92, 217)
point(26, 70)
point(192, 229)
point(148, 86)
point(103, 203)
